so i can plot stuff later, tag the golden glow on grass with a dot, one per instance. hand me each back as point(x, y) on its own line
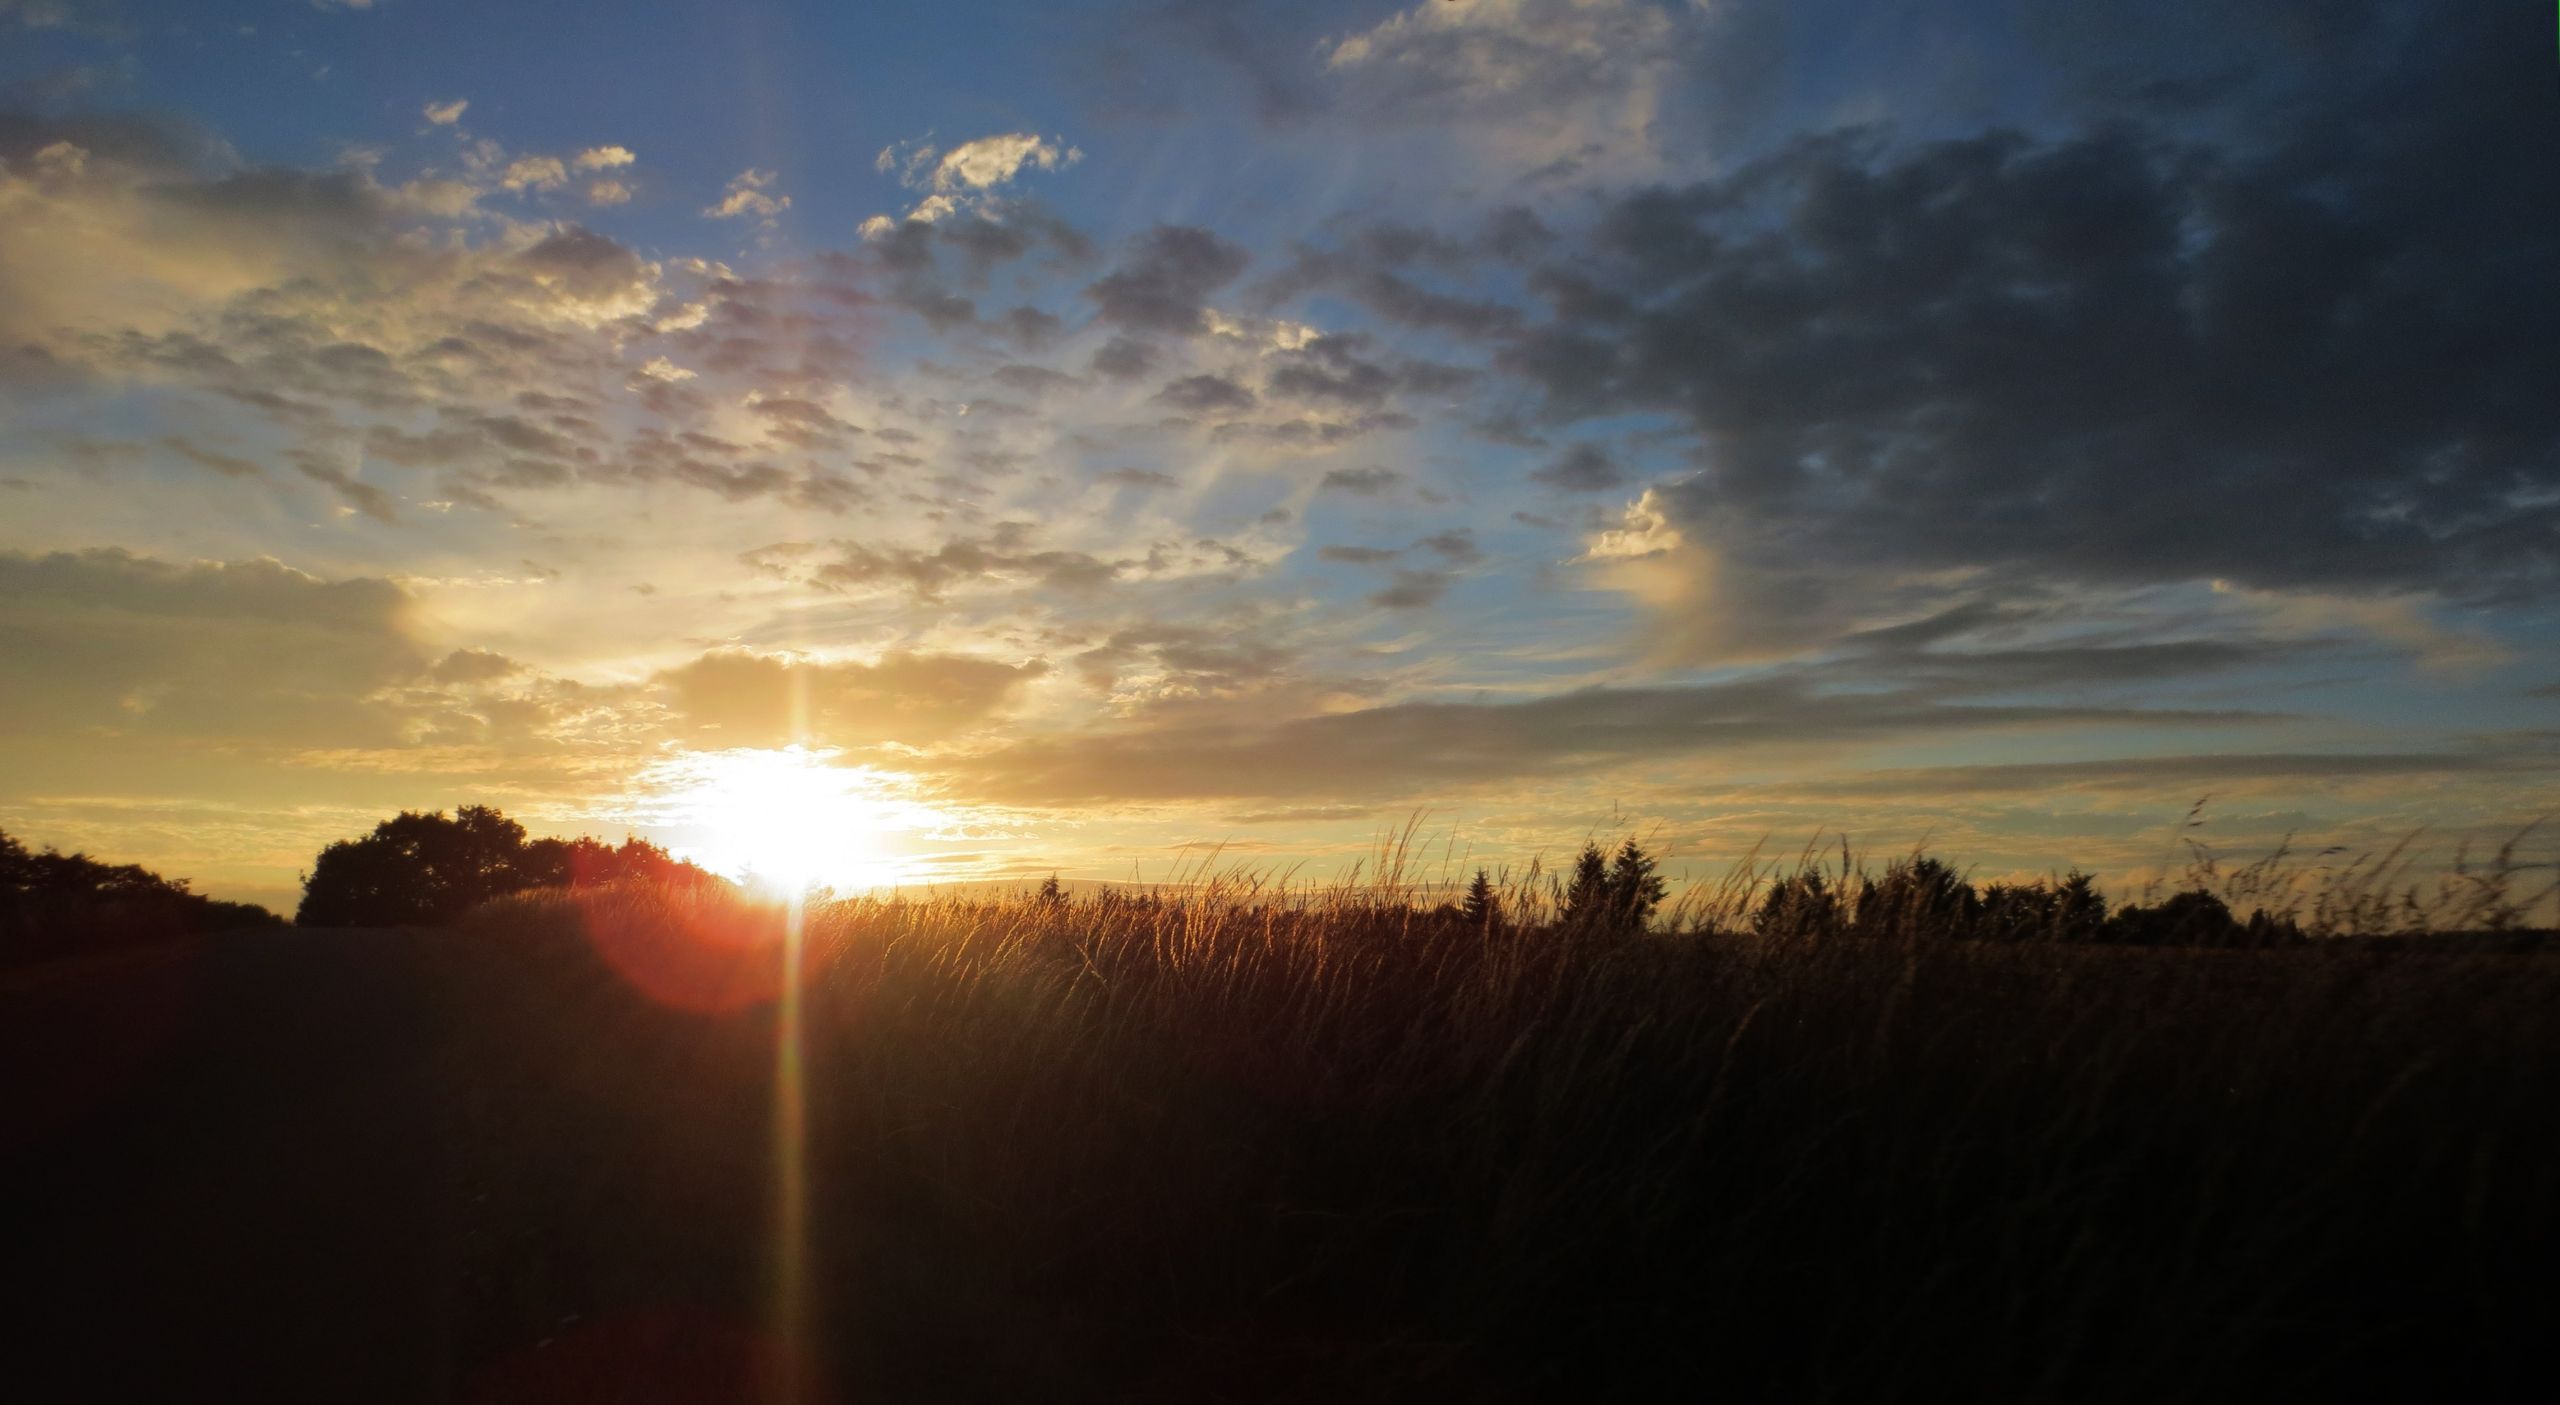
point(789, 819)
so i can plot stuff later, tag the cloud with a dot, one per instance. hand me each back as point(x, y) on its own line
point(735, 697)
point(748, 198)
point(1206, 395)
point(1401, 750)
point(2098, 359)
point(534, 173)
point(963, 179)
point(110, 644)
point(1164, 282)
point(1368, 481)
point(228, 465)
point(445, 114)
point(1551, 85)
point(608, 193)
point(1413, 590)
point(992, 161)
point(1124, 358)
point(1584, 468)
point(605, 158)
point(473, 666)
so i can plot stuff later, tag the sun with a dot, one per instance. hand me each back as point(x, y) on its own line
point(785, 819)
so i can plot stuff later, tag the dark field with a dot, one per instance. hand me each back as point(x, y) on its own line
point(1106, 1150)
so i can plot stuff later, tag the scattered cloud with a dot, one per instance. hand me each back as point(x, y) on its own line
point(750, 197)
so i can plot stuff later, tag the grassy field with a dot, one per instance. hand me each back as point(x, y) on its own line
point(620, 1146)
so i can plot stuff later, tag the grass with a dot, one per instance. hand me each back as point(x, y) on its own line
point(1245, 1143)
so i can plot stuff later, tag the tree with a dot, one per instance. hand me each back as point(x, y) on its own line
point(1635, 890)
point(1051, 894)
point(424, 870)
point(1802, 904)
point(1920, 897)
point(56, 904)
point(1482, 908)
point(2080, 910)
point(1612, 895)
point(1586, 896)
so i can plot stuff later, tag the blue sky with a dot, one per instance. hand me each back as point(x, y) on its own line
point(1102, 429)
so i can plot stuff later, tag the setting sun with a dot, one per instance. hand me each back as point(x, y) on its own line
point(788, 819)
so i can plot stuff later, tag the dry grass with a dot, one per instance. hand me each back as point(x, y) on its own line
point(1249, 1143)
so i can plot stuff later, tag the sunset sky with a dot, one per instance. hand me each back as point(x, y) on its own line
point(1088, 430)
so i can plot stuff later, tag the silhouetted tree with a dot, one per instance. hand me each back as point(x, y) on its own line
point(2080, 910)
point(1802, 904)
point(1611, 895)
point(1635, 889)
point(424, 870)
point(1586, 894)
point(1918, 897)
point(1482, 908)
point(2199, 918)
point(1051, 894)
point(55, 904)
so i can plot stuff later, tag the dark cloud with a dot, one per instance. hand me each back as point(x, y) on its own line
point(1360, 555)
point(1413, 590)
point(363, 497)
point(1206, 395)
point(1028, 328)
point(1184, 661)
point(1369, 481)
point(1164, 282)
point(1584, 468)
point(1435, 748)
point(1004, 556)
point(1033, 381)
point(2314, 354)
point(1124, 358)
point(1456, 546)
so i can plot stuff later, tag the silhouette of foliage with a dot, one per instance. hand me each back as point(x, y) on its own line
point(1611, 894)
point(54, 904)
point(1482, 908)
point(425, 870)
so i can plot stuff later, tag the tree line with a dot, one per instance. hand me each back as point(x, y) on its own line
point(55, 904)
point(425, 869)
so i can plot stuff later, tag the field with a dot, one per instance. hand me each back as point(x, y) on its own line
point(597, 1146)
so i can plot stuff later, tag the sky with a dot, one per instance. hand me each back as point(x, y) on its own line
point(924, 442)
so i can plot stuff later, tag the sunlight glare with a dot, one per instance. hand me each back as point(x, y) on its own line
point(787, 819)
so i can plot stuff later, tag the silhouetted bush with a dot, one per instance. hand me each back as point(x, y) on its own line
point(56, 904)
point(424, 870)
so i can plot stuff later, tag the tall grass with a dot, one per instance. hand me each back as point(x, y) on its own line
point(1250, 1141)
